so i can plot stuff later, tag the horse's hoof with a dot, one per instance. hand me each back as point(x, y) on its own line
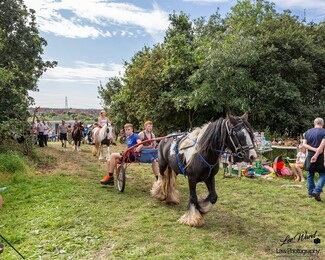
point(192, 217)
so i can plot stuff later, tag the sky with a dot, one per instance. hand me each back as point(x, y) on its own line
point(91, 39)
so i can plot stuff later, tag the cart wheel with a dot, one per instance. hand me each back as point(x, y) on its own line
point(120, 178)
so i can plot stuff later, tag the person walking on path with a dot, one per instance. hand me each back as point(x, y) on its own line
point(46, 132)
point(312, 140)
point(40, 132)
point(319, 150)
point(62, 133)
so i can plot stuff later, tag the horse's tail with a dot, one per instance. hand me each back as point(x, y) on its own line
point(95, 150)
point(165, 187)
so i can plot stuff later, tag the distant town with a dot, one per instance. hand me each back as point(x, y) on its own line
point(54, 115)
point(61, 111)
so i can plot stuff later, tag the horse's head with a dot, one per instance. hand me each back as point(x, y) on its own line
point(110, 130)
point(240, 138)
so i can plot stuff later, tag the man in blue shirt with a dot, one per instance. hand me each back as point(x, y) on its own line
point(313, 139)
point(131, 139)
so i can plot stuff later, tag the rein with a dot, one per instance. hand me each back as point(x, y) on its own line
point(211, 166)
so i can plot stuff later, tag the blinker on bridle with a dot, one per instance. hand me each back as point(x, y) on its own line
point(235, 136)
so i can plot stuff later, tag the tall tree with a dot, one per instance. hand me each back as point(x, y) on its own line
point(21, 64)
point(180, 65)
point(285, 73)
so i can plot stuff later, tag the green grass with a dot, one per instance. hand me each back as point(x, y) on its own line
point(62, 212)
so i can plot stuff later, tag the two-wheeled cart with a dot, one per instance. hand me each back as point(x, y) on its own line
point(134, 155)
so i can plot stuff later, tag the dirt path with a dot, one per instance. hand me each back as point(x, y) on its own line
point(55, 159)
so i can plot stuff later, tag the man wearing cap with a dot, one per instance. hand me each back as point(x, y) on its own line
point(62, 132)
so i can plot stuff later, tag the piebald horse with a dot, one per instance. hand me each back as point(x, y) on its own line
point(196, 155)
point(103, 138)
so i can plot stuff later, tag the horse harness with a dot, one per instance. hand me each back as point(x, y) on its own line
point(179, 163)
point(234, 136)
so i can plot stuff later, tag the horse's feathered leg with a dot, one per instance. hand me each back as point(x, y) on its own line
point(94, 151)
point(172, 192)
point(79, 144)
point(74, 138)
point(96, 147)
point(206, 203)
point(192, 216)
point(165, 187)
point(158, 189)
point(101, 154)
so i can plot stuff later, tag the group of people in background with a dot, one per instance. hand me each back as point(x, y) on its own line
point(41, 131)
point(65, 131)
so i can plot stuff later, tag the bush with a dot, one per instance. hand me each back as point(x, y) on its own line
point(11, 163)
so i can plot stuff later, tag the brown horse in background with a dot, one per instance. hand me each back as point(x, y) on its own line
point(77, 135)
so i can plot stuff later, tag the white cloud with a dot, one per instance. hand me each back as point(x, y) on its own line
point(95, 18)
point(79, 83)
point(83, 73)
point(301, 4)
point(311, 9)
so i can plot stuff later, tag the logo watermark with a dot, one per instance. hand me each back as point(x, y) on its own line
point(301, 244)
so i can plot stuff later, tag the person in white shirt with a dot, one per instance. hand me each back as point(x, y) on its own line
point(40, 132)
point(46, 132)
point(62, 133)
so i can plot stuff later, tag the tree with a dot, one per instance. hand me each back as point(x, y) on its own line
point(137, 98)
point(257, 60)
point(180, 65)
point(285, 75)
point(21, 64)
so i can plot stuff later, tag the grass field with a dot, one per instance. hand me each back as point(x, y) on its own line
point(60, 211)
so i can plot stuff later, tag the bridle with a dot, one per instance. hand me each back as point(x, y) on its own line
point(236, 135)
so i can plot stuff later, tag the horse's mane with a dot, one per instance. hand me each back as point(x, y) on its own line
point(213, 138)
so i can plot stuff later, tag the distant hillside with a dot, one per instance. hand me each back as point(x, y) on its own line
point(87, 111)
point(54, 114)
